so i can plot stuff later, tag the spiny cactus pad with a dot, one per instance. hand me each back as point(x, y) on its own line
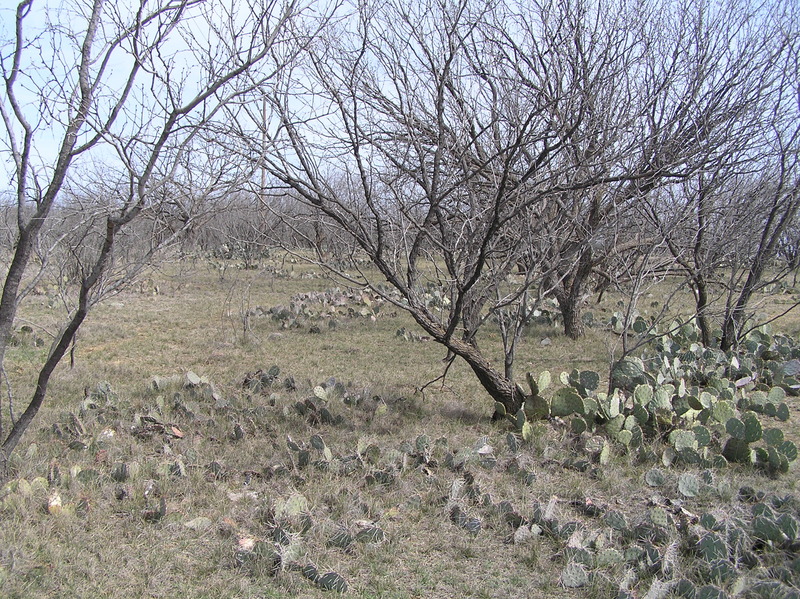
point(683, 439)
point(659, 517)
point(654, 477)
point(331, 581)
point(711, 547)
point(608, 557)
point(574, 576)
point(616, 520)
point(566, 401)
point(689, 484)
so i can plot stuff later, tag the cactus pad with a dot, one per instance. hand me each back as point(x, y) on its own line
point(659, 517)
point(654, 477)
point(688, 485)
point(711, 547)
point(565, 402)
point(331, 581)
point(752, 427)
point(616, 520)
point(738, 451)
point(574, 576)
point(682, 439)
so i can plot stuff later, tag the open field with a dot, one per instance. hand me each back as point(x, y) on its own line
point(181, 480)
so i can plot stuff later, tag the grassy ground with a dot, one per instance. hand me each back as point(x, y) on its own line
point(188, 487)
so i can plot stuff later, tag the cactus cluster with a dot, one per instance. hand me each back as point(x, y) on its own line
point(316, 453)
point(710, 407)
point(762, 362)
point(729, 549)
point(286, 522)
point(261, 381)
point(600, 546)
point(25, 336)
point(331, 306)
point(729, 553)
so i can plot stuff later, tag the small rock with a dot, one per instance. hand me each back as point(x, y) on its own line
point(486, 450)
point(523, 534)
point(54, 504)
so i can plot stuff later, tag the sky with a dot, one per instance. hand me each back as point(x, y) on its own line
point(38, 54)
point(54, 32)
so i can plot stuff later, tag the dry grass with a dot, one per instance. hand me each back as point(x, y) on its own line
point(105, 542)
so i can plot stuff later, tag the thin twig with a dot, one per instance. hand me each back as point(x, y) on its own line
point(442, 377)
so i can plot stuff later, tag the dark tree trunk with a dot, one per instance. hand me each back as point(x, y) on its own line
point(570, 299)
point(734, 318)
point(701, 303)
point(571, 312)
point(499, 387)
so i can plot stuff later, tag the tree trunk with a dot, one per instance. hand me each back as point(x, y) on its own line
point(498, 387)
point(730, 329)
point(735, 317)
point(8, 302)
point(570, 299)
point(572, 314)
point(701, 303)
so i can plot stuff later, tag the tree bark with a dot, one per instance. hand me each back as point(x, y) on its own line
point(499, 388)
point(570, 298)
point(572, 314)
point(701, 305)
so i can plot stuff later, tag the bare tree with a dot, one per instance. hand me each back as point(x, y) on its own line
point(699, 76)
point(454, 142)
point(411, 115)
point(724, 224)
point(133, 86)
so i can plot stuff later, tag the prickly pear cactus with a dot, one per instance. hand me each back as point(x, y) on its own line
point(566, 401)
point(574, 576)
point(627, 374)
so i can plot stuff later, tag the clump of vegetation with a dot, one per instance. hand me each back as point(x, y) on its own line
point(300, 501)
point(709, 407)
point(331, 306)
